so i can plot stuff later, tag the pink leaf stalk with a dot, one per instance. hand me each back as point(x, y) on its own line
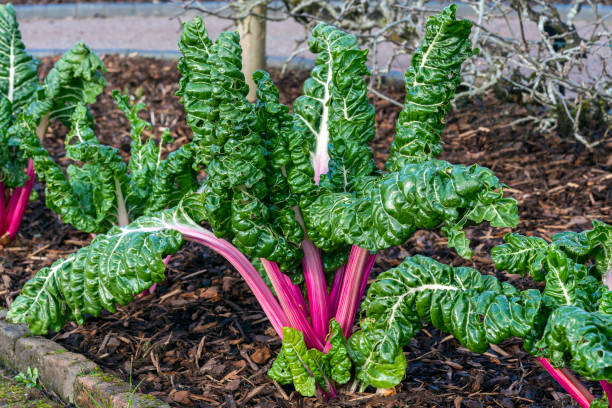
point(366, 274)
point(334, 293)
point(3, 214)
point(351, 286)
point(295, 316)
point(566, 383)
point(316, 286)
point(607, 388)
point(297, 294)
point(570, 376)
point(21, 202)
point(264, 296)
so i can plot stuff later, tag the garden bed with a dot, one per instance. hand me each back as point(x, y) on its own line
point(201, 340)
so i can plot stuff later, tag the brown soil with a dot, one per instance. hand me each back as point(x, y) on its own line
point(202, 341)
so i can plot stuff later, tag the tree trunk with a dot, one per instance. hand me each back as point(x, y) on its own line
point(253, 41)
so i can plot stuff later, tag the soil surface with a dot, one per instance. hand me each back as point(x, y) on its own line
point(202, 341)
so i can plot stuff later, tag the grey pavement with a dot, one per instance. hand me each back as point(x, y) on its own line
point(160, 34)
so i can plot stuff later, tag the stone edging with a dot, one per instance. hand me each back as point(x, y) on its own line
point(73, 377)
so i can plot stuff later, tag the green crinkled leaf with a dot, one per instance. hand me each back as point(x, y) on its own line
point(333, 124)
point(144, 157)
point(307, 368)
point(115, 266)
point(567, 282)
point(275, 121)
point(242, 202)
point(18, 81)
point(18, 70)
point(339, 362)
point(75, 79)
point(280, 370)
point(154, 184)
point(476, 309)
point(195, 87)
point(174, 178)
point(605, 303)
point(87, 198)
point(430, 86)
point(370, 369)
point(294, 364)
point(599, 240)
point(87, 195)
point(12, 160)
point(520, 254)
point(600, 402)
point(578, 305)
point(579, 339)
point(385, 211)
point(458, 240)
point(573, 244)
point(333, 120)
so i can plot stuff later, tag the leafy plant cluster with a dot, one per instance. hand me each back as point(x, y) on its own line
point(76, 78)
point(296, 204)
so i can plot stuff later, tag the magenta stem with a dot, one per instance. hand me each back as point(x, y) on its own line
point(316, 287)
point(13, 204)
point(295, 316)
point(607, 388)
point(297, 294)
point(566, 383)
point(22, 202)
point(334, 293)
point(351, 285)
point(3, 214)
point(367, 269)
point(262, 293)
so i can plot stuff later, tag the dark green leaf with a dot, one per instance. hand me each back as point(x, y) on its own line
point(520, 254)
point(430, 86)
point(18, 70)
point(75, 79)
point(114, 267)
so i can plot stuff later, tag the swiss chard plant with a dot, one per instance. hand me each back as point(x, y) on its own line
point(75, 79)
point(297, 205)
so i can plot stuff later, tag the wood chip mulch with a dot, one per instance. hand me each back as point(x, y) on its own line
point(202, 341)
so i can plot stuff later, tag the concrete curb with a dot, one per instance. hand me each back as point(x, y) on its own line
point(171, 9)
point(72, 376)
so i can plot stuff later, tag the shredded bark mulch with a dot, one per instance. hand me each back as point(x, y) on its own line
point(202, 341)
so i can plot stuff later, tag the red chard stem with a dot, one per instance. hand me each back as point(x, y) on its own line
point(334, 293)
point(566, 383)
point(297, 318)
point(262, 293)
point(351, 285)
point(21, 202)
point(316, 287)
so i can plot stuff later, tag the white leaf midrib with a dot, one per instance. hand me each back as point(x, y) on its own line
point(163, 224)
point(11, 78)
